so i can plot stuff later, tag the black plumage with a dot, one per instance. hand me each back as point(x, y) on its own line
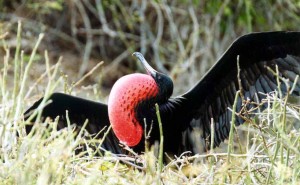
point(184, 117)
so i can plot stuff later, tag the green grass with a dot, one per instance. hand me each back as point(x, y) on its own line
point(177, 37)
point(269, 155)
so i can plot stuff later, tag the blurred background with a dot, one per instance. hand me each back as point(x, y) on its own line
point(182, 38)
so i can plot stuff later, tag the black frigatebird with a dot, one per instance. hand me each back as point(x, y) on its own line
point(131, 101)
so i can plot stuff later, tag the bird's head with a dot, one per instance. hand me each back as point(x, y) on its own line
point(132, 93)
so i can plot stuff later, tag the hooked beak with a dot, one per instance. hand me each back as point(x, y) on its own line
point(148, 68)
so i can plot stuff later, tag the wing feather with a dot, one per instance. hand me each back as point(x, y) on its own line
point(215, 92)
point(79, 110)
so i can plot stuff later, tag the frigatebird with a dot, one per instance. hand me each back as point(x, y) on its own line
point(246, 66)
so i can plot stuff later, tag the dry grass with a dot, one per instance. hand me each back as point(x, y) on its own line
point(180, 38)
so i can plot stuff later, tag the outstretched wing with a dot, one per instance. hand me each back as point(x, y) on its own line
point(212, 96)
point(79, 110)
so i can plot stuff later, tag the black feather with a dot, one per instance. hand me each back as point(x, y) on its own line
point(183, 117)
